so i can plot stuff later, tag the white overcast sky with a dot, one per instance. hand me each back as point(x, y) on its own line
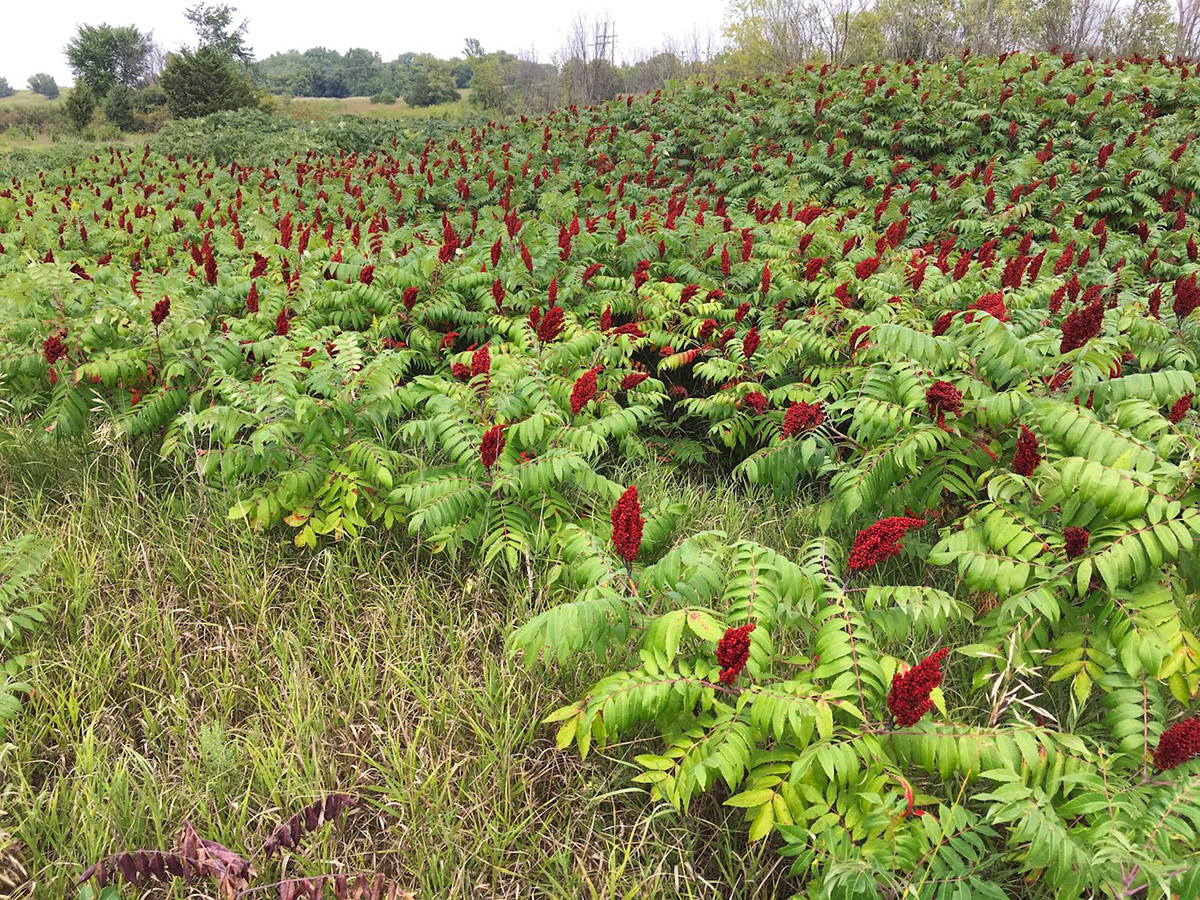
point(32, 37)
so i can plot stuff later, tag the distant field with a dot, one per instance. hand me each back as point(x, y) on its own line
point(296, 108)
point(29, 98)
point(17, 132)
point(12, 140)
point(20, 116)
point(328, 107)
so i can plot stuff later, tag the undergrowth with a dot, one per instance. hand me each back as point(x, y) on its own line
point(197, 672)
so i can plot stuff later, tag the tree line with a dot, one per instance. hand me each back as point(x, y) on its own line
point(124, 73)
point(766, 35)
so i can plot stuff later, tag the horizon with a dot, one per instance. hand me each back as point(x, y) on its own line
point(273, 29)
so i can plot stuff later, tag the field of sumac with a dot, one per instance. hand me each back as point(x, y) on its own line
point(951, 305)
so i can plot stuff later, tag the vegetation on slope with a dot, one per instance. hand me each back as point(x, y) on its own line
point(945, 310)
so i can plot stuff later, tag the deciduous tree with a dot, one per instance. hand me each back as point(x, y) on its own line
point(104, 55)
point(214, 27)
point(43, 84)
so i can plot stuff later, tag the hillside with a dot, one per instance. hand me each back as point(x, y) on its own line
point(818, 451)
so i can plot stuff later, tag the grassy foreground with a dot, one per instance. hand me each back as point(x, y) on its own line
point(195, 670)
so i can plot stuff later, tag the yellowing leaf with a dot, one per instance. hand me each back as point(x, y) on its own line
point(763, 822)
point(704, 626)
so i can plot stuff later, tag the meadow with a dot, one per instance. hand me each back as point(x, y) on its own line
point(315, 108)
point(31, 122)
point(25, 99)
point(745, 489)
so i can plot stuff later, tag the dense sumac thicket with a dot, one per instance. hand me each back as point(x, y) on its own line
point(954, 302)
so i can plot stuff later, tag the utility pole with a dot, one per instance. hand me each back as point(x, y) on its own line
point(605, 44)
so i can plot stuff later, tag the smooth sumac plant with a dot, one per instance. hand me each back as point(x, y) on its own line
point(767, 681)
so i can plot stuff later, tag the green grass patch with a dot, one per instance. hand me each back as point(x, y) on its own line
point(196, 670)
point(26, 99)
point(309, 109)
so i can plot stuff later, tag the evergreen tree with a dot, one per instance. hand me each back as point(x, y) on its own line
point(118, 107)
point(80, 106)
point(204, 81)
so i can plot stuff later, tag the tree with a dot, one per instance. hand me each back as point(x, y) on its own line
point(419, 91)
point(429, 82)
point(604, 81)
point(864, 38)
point(921, 29)
point(80, 106)
point(285, 73)
point(588, 73)
point(204, 81)
point(328, 72)
point(1143, 27)
point(154, 63)
point(118, 107)
point(536, 86)
point(1072, 25)
point(462, 71)
point(472, 49)
point(104, 55)
point(1187, 35)
point(487, 85)
point(214, 28)
point(43, 84)
point(6, 89)
point(769, 35)
point(364, 72)
point(652, 72)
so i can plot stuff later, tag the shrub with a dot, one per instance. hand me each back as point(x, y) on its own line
point(149, 98)
point(34, 118)
point(429, 85)
point(385, 97)
point(151, 121)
